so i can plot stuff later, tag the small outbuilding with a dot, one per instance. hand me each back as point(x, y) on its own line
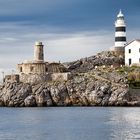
point(132, 53)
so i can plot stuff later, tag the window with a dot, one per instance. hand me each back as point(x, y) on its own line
point(46, 69)
point(20, 69)
point(130, 61)
point(139, 60)
point(31, 68)
point(139, 49)
point(129, 50)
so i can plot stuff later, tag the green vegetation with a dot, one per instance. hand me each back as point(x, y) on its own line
point(128, 70)
point(134, 79)
point(123, 70)
point(135, 85)
point(133, 75)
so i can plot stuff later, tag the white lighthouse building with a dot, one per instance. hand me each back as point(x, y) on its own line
point(132, 53)
point(120, 33)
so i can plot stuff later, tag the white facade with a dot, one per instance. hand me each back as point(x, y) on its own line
point(132, 53)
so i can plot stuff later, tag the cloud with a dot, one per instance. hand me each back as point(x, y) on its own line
point(78, 46)
point(58, 47)
point(23, 7)
point(69, 30)
point(17, 46)
point(17, 41)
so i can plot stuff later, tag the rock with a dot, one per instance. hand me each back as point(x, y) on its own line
point(43, 98)
point(24, 91)
point(103, 86)
point(60, 95)
point(82, 90)
point(30, 101)
point(1, 103)
point(11, 104)
point(89, 63)
point(105, 100)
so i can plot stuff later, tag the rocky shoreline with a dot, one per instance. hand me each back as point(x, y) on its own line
point(87, 89)
point(88, 86)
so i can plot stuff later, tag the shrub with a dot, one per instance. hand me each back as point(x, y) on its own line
point(134, 77)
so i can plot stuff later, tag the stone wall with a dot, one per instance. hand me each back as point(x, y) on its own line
point(61, 76)
point(36, 68)
point(38, 78)
point(35, 78)
point(11, 78)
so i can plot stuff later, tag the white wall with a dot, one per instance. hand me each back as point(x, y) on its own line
point(134, 55)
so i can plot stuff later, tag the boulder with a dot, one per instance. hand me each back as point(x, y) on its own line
point(30, 101)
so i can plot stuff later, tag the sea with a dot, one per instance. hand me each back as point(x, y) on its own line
point(70, 123)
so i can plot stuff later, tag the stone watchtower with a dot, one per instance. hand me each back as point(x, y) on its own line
point(38, 52)
point(37, 66)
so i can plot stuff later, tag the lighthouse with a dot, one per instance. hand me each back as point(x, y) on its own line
point(120, 34)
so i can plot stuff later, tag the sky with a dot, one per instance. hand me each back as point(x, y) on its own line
point(69, 29)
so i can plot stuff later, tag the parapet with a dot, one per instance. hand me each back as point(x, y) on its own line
point(38, 43)
point(12, 78)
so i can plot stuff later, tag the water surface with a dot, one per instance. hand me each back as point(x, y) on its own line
point(70, 123)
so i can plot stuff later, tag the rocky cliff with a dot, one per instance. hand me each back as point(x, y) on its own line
point(106, 58)
point(95, 88)
point(103, 86)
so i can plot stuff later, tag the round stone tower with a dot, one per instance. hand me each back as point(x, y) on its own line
point(38, 52)
point(120, 34)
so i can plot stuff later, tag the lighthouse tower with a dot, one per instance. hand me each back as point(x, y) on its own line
point(120, 34)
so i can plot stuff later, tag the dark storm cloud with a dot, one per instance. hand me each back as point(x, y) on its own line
point(67, 14)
